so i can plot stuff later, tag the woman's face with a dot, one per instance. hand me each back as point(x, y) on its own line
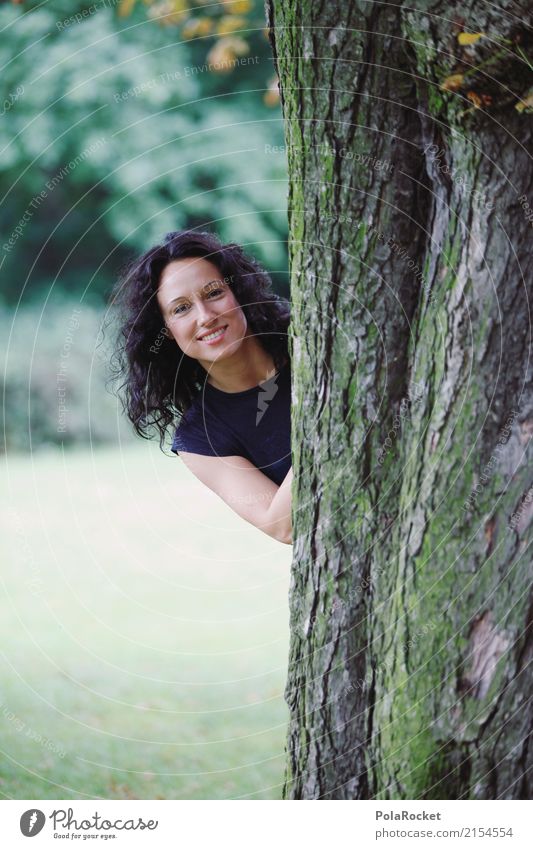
point(200, 310)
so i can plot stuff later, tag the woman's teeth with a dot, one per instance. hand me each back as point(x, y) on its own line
point(214, 335)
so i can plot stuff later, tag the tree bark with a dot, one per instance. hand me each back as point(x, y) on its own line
point(410, 209)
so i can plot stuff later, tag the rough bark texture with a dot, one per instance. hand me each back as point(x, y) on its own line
point(411, 607)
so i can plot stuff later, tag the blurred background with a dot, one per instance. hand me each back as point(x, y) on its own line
point(144, 626)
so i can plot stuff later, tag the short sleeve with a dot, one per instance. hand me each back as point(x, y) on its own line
point(206, 434)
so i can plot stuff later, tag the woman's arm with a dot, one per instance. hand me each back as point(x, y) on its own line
point(280, 506)
point(247, 491)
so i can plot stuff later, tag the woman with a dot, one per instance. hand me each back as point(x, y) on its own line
point(203, 338)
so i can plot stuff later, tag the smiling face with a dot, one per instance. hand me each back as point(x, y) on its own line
point(200, 310)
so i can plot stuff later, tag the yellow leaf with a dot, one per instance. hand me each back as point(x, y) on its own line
point(125, 8)
point(271, 96)
point(239, 7)
point(225, 52)
point(230, 23)
point(197, 27)
point(168, 13)
point(474, 98)
point(526, 103)
point(452, 83)
point(465, 38)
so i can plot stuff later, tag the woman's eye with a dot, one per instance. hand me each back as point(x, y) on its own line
point(182, 308)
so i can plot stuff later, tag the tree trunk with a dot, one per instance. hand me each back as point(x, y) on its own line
point(410, 209)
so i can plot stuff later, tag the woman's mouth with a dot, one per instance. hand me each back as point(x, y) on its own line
point(214, 336)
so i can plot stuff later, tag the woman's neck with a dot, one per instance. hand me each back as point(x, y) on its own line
point(248, 367)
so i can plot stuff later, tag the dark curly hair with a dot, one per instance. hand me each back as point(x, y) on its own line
point(155, 380)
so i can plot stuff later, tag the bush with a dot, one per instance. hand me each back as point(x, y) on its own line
point(54, 378)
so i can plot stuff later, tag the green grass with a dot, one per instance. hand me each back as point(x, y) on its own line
point(143, 634)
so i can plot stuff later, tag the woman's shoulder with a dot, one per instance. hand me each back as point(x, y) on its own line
point(202, 430)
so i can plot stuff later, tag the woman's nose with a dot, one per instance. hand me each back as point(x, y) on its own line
point(205, 311)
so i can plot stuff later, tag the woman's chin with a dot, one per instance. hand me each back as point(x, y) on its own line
point(223, 351)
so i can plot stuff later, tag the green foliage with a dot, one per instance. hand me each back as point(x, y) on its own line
point(114, 133)
point(54, 378)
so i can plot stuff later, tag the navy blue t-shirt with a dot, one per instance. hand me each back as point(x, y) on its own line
point(255, 424)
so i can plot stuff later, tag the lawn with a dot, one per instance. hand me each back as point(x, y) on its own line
point(143, 634)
